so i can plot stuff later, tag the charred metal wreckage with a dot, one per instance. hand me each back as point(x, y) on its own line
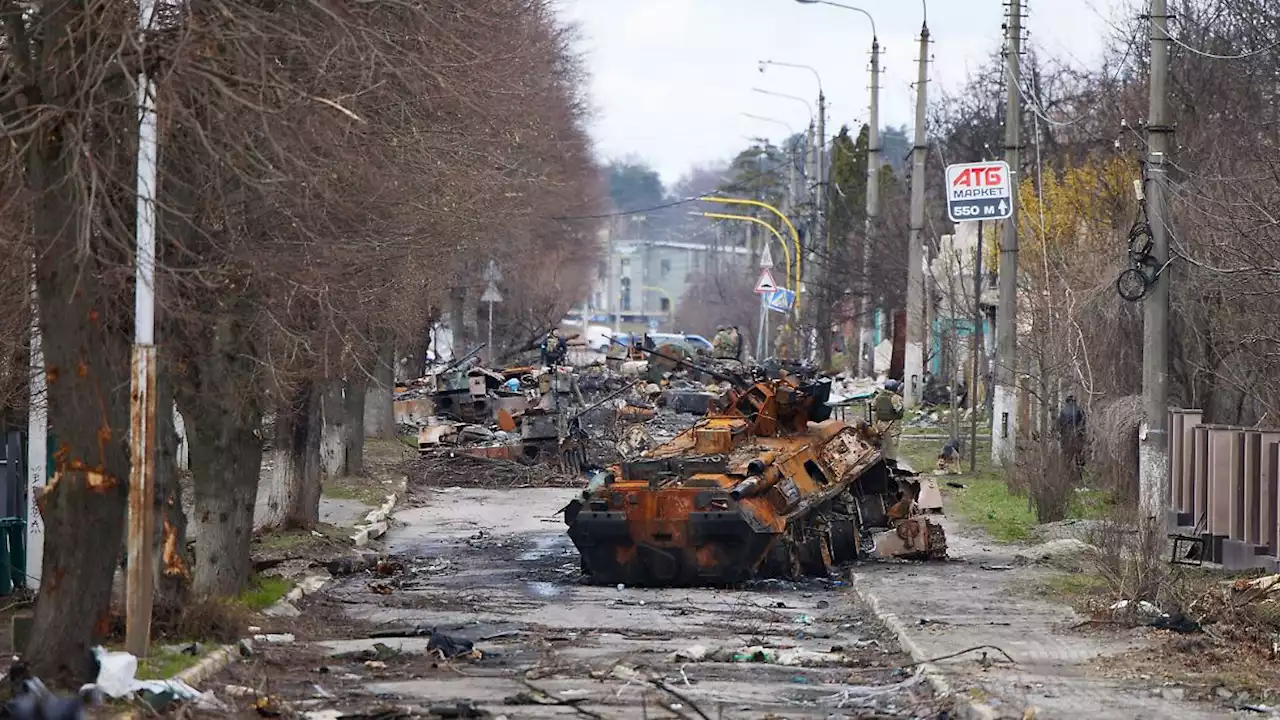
point(768, 486)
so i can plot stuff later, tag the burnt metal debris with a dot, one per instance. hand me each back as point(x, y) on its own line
point(768, 485)
point(764, 483)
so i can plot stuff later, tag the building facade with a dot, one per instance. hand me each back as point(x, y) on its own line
point(641, 281)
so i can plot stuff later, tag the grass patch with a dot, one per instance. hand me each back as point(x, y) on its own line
point(356, 489)
point(985, 501)
point(287, 540)
point(264, 591)
point(1076, 586)
point(164, 664)
point(1090, 504)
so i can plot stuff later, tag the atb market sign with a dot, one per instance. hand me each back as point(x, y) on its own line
point(979, 191)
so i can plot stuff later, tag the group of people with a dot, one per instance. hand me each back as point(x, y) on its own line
point(727, 343)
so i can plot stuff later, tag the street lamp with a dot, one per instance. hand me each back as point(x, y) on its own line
point(765, 63)
point(874, 34)
point(866, 330)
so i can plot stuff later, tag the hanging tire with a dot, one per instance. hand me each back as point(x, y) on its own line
point(1132, 285)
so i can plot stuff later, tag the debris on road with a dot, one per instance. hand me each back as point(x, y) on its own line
point(769, 486)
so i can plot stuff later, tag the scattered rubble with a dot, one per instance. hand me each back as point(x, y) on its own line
point(766, 485)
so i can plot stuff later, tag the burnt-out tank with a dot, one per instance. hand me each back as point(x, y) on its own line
point(770, 487)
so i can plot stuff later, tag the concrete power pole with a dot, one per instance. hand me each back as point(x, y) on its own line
point(139, 591)
point(913, 369)
point(615, 307)
point(817, 238)
point(866, 312)
point(1005, 397)
point(1153, 492)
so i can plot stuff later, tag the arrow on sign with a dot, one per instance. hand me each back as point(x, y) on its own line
point(766, 284)
point(1003, 207)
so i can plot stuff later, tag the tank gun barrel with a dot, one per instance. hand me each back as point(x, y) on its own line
point(736, 382)
point(463, 359)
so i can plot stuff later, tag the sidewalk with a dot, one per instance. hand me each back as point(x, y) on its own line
point(947, 608)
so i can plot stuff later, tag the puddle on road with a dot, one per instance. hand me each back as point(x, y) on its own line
point(546, 546)
point(543, 590)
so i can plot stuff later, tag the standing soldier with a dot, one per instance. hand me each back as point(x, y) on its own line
point(886, 411)
point(553, 349)
point(737, 343)
point(722, 344)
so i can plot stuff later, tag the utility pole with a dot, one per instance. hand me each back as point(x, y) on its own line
point(866, 313)
point(976, 340)
point(1153, 492)
point(821, 236)
point(614, 304)
point(142, 395)
point(913, 368)
point(37, 444)
point(1005, 397)
point(813, 176)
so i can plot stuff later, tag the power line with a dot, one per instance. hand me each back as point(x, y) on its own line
point(677, 203)
point(1214, 56)
point(1036, 103)
point(621, 213)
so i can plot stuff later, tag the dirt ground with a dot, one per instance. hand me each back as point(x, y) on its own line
point(495, 567)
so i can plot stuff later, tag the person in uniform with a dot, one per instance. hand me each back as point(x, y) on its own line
point(553, 349)
point(722, 344)
point(737, 343)
point(886, 414)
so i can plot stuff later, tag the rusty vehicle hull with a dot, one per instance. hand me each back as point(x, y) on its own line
point(761, 491)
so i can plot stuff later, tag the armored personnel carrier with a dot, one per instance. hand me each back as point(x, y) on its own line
point(769, 487)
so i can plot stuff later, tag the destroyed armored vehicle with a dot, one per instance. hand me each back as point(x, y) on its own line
point(770, 487)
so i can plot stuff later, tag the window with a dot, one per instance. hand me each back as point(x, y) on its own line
point(625, 300)
point(666, 305)
point(665, 267)
point(625, 263)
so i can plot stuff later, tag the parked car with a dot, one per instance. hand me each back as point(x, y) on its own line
point(692, 342)
point(599, 337)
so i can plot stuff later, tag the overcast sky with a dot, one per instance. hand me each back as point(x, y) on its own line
point(670, 79)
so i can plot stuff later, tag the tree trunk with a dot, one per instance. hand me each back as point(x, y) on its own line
point(353, 399)
point(172, 573)
point(379, 408)
point(333, 429)
point(226, 460)
point(220, 400)
point(87, 362)
point(294, 501)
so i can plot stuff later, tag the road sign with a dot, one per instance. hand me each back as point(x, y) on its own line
point(766, 284)
point(492, 273)
point(766, 259)
point(979, 191)
point(491, 294)
point(781, 300)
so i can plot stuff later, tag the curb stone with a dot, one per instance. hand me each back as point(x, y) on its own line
point(210, 665)
point(374, 526)
point(966, 708)
point(375, 523)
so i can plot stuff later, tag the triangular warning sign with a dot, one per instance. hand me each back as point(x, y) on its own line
point(766, 259)
point(766, 284)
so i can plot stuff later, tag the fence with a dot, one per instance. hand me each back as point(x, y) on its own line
point(1224, 490)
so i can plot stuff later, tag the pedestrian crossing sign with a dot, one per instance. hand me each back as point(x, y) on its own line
point(780, 300)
